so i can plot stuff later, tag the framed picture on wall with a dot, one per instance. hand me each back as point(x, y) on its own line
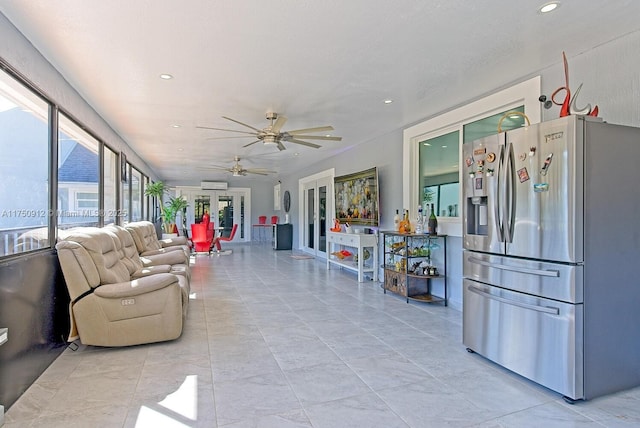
point(123, 167)
point(357, 198)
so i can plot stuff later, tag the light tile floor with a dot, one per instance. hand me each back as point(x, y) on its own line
point(271, 341)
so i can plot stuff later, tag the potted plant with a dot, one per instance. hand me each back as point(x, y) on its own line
point(170, 211)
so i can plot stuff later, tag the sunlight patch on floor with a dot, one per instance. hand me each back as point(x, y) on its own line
point(181, 404)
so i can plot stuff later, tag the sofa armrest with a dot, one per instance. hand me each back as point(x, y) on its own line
point(171, 242)
point(166, 258)
point(151, 270)
point(136, 287)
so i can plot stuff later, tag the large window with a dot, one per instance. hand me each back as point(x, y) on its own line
point(145, 199)
point(439, 173)
point(24, 168)
point(87, 171)
point(110, 162)
point(439, 167)
point(136, 195)
point(78, 176)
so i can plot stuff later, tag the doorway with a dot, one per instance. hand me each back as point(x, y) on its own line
point(225, 207)
point(316, 201)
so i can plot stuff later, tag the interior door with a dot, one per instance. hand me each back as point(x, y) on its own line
point(231, 210)
point(317, 203)
point(225, 208)
point(308, 228)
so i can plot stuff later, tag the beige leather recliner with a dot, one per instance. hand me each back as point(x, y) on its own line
point(146, 239)
point(109, 305)
point(176, 259)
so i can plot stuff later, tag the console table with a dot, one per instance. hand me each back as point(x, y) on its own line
point(355, 243)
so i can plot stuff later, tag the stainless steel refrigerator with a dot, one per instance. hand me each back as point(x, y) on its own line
point(552, 254)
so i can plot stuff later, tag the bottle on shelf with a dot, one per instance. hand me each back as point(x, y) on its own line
point(433, 222)
point(405, 224)
point(419, 220)
point(396, 221)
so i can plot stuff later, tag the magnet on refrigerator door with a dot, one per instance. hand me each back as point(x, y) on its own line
point(523, 175)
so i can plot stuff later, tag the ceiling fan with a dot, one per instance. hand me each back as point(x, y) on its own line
point(238, 171)
point(273, 134)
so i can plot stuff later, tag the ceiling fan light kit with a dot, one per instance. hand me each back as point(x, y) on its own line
point(273, 136)
point(270, 139)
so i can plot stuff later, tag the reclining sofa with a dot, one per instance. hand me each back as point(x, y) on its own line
point(119, 298)
point(147, 242)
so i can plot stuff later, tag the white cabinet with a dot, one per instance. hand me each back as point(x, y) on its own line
point(364, 252)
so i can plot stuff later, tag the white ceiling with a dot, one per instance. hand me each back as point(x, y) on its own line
point(323, 62)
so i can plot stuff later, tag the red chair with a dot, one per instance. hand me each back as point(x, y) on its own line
point(274, 219)
point(262, 223)
point(211, 230)
point(217, 240)
point(202, 237)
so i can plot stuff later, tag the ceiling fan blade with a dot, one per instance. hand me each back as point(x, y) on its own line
point(247, 145)
point(255, 172)
point(304, 143)
point(243, 124)
point(225, 138)
point(304, 131)
point(318, 137)
point(206, 168)
point(277, 126)
point(260, 171)
point(228, 130)
point(281, 146)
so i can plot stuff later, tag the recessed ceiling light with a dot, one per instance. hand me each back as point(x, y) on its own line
point(166, 76)
point(175, 126)
point(180, 149)
point(444, 147)
point(388, 101)
point(548, 7)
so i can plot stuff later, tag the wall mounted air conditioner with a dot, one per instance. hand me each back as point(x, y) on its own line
point(213, 185)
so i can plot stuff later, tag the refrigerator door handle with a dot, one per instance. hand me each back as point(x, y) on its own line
point(497, 204)
point(539, 272)
point(510, 195)
point(545, 309)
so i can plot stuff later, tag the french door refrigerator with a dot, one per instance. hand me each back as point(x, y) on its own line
point(551, 254)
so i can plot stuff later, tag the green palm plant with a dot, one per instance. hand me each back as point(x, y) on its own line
point(169, 210)
point(157, 189)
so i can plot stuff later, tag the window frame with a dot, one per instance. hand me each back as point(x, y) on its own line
point(18, 87)
point(18, 90)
